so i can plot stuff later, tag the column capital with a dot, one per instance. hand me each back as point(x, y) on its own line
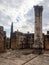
point(38, 10)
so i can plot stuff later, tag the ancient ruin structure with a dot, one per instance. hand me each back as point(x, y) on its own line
point(18, 40)
point(21, 40)
point(29, 40)
point(38, 38)
point(46, 41)
point(2, 39)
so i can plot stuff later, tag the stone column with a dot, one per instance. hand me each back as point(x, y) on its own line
point(38, 38)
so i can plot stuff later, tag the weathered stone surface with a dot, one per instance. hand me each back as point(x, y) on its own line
point(38, 38)
point(16, 57)
point(39, 60)
point(2, 39)
point(47, 41)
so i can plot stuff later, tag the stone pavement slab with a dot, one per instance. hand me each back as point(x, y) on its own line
point(40, 60)
point(14, 58)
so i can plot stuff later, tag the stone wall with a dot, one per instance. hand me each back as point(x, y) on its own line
point(47, 42)
point(20, 40)
point(2, 39)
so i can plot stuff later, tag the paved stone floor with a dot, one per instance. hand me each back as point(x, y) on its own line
point(23, 57)
point(40, 60)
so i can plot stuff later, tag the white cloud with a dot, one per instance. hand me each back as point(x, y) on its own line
point(16, 11)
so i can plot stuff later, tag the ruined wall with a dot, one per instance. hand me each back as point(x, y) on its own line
point(20, 40)
point(13, 43)
point(17, 40)
point(47, 42)
point(30, 40)
point(2, 40)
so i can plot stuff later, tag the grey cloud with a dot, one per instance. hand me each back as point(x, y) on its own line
point(30, 17)
point(24, 26)
point(45, 15)
point(4, 19)
point(11, 3)
point(18, 19)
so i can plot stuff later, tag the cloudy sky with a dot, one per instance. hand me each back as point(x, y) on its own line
point(21, 13)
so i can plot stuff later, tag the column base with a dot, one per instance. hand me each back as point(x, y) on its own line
point(37, 51)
